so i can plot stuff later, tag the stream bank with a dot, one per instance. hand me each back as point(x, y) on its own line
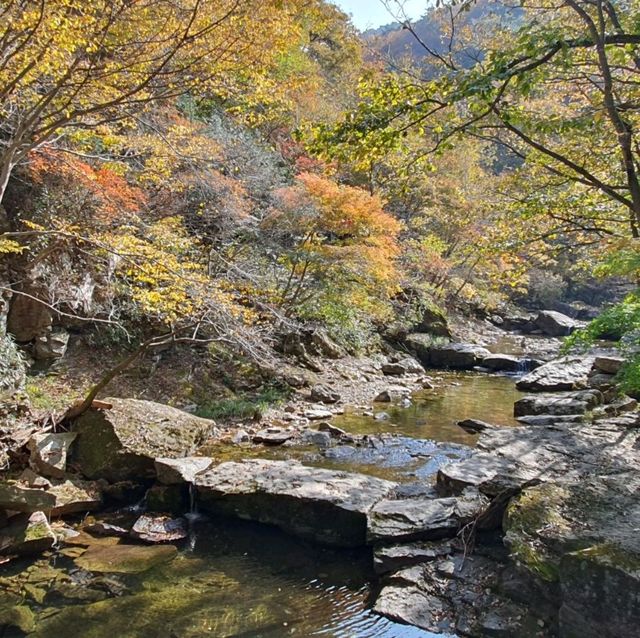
point(459, 529)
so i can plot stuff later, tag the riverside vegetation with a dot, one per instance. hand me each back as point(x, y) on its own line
point(279, 295)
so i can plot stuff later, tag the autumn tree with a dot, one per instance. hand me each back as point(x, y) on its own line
point(68, 64)
point(337, 249)
point(555, 86)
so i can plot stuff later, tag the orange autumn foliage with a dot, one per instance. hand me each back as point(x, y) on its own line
point(101, 193)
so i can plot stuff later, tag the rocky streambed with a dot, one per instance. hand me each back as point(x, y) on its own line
point(503, 526)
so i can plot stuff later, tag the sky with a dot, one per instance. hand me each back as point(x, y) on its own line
point(372, 13)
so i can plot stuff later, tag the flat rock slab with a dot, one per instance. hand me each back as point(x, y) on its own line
point(508, 458)
point(273, 436)
point(391, 558)
point(18, 497)
point(179, 471)
point(122, 443)
point(323, 505)
point(75, 496)
point(567, 373)
point(558, 404)
point(422, 518)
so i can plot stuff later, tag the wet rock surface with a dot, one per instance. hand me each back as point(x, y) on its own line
point(159, 529)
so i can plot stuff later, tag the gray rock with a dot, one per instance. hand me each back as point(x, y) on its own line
point(323, 505)
point(241, 436)
point(459, 356)
point(272, 436)
point(523, 324)
point(558, 404)
point(555, 324)
point(502, 363)
point(456, 595)
point(49, 453)
point(17, 497)
point(27, 534)
point(583, 536)
point(408, 365)
point(333, 430)
point(12, 367)
point(178, 471)
point(324, 394)
point(551, 419)
point(52, 345)
point(159, 529)
point(27, 318)
point(608, 364)
point(433, 321)
point(315, 414)
point(315, 437)
point(391, 558)
point(567, 373)
point(73, 496)
point(381, 416)
point(473, 426)
point(422, 518)
point(123, 442)
point(621, 405)
point(601, 381)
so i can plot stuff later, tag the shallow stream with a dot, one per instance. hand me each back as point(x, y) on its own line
point(242, 580)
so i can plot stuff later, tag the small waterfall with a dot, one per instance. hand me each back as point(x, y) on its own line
point(192, 516)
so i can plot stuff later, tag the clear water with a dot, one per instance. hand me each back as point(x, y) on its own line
point(434, 414)
point(239, 580)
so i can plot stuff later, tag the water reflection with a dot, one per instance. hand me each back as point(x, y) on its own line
point(240, 580)
point(434, 414)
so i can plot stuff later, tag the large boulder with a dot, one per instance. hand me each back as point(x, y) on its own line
point(566, 373)
point(555, 324)
point(458, 356)
point(582, 538)
point(28, 318)
point(323, 505)
point(558, 404)
point(510, 363)
point(121, 443)
point(434, 322)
